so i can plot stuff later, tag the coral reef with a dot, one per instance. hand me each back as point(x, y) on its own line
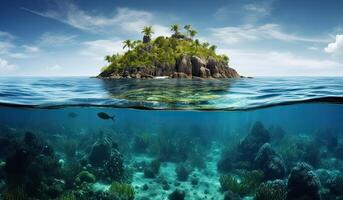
point(272, 190)
point(244, 184)
point(270, 163)
point(303, 183)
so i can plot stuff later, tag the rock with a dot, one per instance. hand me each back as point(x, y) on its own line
point(184, 65)
point(17, 165)
point(177, 195)
point(270, 163)
point(248, 148)
point(197, 63)
point(114, 167)
point(56, 188)
point(331, 180)
point(181, 75)
point(204, 72)
point(228, 195)
point(100, 153)
point(152, 170)
point(303, 183)
point(85, 176)
point(182, 172)
point(276, 189)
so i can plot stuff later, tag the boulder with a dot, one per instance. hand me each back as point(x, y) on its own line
point(184, 65)
point(270, 163)
point(204, 72)
point(100, 152)
point(180, 75)
point(197, 63)
point(303, 183)
point(250, 145)
point(177, 195)
point(272, 190)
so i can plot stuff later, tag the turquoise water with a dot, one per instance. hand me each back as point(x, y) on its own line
point(171, 139)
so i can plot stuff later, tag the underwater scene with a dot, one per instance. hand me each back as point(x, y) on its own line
point(84, 138)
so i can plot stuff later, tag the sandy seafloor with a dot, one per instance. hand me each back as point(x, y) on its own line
point(208, 186)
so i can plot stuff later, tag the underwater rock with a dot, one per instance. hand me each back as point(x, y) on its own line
point(228, 195)
point(272, 190)
point(303, 183)
point(100, 152)
point(177, 195)
point(182, 172)
point(250, 145)
point(17, 165)
point(338, 151)
point(152, 170)
point(270, 163)
point(331, 180)
point(55, 189)
point(85, 176)
point(8, 145)
point(114, 167)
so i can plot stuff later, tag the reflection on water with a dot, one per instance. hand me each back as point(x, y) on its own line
point(239, 94)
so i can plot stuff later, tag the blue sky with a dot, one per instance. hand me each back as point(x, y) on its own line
point(262, 38)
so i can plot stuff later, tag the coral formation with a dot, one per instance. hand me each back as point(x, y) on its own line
point(270, 163)
point(272, 190)
point(303, 183)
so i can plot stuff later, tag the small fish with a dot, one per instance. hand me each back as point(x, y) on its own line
point(105, 116)
point(72, 115)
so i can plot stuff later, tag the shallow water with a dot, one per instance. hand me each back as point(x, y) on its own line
point(52, 138)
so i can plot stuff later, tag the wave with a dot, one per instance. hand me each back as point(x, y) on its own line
point(170, 94)
point(330, 100)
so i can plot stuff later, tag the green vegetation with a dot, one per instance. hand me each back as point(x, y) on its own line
point(161, 50)
point(122, 191)
point(243, 185)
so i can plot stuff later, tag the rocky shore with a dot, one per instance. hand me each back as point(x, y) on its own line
point(186, 67)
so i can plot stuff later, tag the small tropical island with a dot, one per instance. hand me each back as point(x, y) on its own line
point(177, 56)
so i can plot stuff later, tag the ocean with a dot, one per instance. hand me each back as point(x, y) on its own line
point(253, 138)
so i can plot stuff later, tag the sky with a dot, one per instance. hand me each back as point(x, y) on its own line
point(261, 38)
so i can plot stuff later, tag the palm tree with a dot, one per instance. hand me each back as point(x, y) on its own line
point(108, 58)
point(213, 48)
point(127, 44)
point(175, 28)
point(197, 43)
point(147, 31)
point(206, 44)
point(192, 33)
point(187, 27)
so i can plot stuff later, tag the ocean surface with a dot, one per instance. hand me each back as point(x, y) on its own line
point(86, 138)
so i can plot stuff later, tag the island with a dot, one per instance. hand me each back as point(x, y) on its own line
point(177, 56)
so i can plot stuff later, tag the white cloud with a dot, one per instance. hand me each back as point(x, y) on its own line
point(335, 47)
point(98, 49)
point(30, 48)
point(128, 20)
point(6, 35)
point(5, 67)
point(235, 34)
point(274, 63)
point(55, 67)
point(53, 39)
point(247, 12)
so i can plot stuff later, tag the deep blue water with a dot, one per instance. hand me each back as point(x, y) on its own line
point(179, 121)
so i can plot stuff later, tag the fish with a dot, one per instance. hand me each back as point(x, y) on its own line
point(105, 116)
point(72, 115)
